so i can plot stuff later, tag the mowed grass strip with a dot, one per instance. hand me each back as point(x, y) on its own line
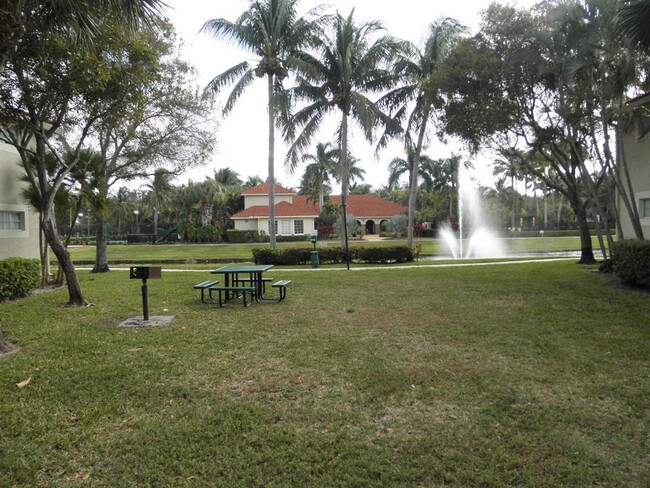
point(198, 253)
point(526, 375)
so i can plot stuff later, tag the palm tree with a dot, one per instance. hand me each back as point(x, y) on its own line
point(84, 19)
point(252, 181)
point(227, 177)
point(324, 163)
point(400, 166)
point(445, 176)
point(93, 184)
point(123, 205)
point(420, 95)
point(348, 66)
point(160, 193)
point(633, 22)
point(508, 168)
point(273, 31)
point(63, 200)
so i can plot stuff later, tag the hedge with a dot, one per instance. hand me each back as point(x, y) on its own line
point(631, 261)
point(240, 236)
point(334, 255)
point(19, 277)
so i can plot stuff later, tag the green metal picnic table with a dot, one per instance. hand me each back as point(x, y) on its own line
point(254, 271)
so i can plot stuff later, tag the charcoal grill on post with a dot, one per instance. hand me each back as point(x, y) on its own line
point(144, 273)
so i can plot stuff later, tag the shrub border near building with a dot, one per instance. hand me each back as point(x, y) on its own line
point(336, 255)
point(19, 277)
point(631, 261)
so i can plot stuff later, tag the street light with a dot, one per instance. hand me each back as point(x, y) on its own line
point(137, 223)
point(81, 216)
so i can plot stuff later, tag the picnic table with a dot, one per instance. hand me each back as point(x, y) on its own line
point(232, 280)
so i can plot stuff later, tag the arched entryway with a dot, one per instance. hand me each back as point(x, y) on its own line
point(370, 227)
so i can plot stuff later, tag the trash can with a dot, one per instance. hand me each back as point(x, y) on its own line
point(315, 261)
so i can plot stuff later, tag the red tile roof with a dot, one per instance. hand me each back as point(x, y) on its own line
point(263, 189)
point(361, 206)
point(366, 206)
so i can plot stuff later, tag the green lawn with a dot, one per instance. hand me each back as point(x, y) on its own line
point(502, 375)
point(198, 253)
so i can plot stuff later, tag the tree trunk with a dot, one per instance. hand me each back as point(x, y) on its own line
point(271, 178)
point(624, 186)
point(345, 176)
point(65, 262)
point(44, 255)
point(586, 248)
point(597, 210)
point(101, 246)
point(321, 194)
point(514, 193)
point(155, 225)
point(413, 184)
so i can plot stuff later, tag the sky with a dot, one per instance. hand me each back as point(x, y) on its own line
point(243, 135)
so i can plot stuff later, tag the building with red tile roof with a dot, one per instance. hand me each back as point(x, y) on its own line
point(296, 215)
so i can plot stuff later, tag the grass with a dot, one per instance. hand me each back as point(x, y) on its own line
point(523, 374)
point(227, 252)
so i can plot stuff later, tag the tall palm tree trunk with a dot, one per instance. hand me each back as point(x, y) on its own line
point(345, 176)
point(271, 177)
point(413, 185)
point(514, 193)
point(321, 193)
point(101, 246)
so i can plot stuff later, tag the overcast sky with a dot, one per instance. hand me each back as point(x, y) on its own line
point(242, 137)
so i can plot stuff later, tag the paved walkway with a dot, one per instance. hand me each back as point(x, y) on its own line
point(458, 264)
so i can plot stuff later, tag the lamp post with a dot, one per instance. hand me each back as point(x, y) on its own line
point(137, 222)
point(81, 216)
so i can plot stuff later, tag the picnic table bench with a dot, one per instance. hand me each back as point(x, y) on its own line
point(282, 286)
point(252, 281)
point(230, 291)
point(205, 286)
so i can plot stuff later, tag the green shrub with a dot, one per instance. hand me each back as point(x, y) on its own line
point(203, 233)
point(206, 233)
point(140, 238)
point(291, 238)
point(333, 255)
point(239, 236)
point(281, 257)
point(631, 261)
point(19, 277)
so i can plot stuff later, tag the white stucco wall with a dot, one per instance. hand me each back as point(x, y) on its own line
point(263, 200)
point(16, 243)
point(637, 151)
point(262, 225)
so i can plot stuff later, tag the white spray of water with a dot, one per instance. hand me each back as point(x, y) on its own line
point(473, 226)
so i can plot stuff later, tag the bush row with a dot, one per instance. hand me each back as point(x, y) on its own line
point(19, 277)
point(334, 255)
point(631, 261)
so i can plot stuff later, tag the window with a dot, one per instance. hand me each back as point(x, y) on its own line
point(12, 220)
point(286, 227)
point(644, 205)
point(268, 225)
point(298, 227)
